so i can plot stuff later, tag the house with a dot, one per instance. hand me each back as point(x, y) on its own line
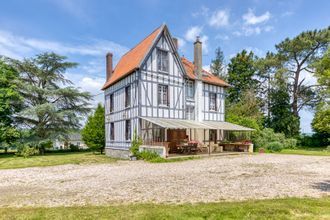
point(166, 99)
point(73, 138)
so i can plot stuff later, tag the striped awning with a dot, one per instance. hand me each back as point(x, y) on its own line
point(190, 124)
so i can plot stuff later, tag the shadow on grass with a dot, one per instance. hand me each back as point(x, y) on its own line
point(323, 186)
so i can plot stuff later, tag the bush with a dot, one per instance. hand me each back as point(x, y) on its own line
point(274, 146)
point(136, 143)
point(263, 138)
point(290, 143)
point(73, 148)
point(315, 140)
point(148, 155)
point(26, 151)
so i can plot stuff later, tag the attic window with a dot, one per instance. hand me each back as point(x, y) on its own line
point(162, 60)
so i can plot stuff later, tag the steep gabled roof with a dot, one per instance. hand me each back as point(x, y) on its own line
point(207, 76)
point(132, 59)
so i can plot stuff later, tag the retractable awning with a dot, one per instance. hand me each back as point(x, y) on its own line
point(190, 124)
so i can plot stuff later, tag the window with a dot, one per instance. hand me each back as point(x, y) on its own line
point(112, 131)
point(213, 101)
point(190, 89)
point(163, 95)
point(190, 112)
point(162, 60)
point(111, 103)
point(128, 130)
point(127, 96)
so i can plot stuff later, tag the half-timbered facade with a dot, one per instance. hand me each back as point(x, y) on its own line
point(152, 83)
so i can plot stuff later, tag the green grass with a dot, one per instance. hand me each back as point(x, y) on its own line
point(290, 208)
point(52, 159)
point(307, 151)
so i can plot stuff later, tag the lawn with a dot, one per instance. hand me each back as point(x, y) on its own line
point(307, 151)
point(10, 161)
point(289, 208)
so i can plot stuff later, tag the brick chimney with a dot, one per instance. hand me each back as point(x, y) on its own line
point(109, 65)
point(176, 43)
point(198, 58)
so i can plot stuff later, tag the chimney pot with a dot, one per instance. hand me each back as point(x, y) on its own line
point(109, 65)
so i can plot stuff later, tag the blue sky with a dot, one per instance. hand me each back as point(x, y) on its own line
point(84, 30)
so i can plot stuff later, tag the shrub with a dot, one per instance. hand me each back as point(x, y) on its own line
point(136, 143)
point(73, 148)
point(148, 155)
point(328, 148)
point(290, 143)
point(274, 146)
point(26, 151)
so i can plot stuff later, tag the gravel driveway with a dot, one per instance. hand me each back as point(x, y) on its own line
point(204, 180)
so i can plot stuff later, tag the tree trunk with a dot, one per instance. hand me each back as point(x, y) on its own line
point(6, 150)
point(295, 93)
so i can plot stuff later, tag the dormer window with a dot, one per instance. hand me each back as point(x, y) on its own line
point(162, 60)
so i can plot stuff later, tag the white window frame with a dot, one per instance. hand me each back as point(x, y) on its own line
point(163, 61)
point(163, 95)
point(212, 106)
point(190, 89)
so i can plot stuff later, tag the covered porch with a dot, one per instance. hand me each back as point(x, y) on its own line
point(177, 137)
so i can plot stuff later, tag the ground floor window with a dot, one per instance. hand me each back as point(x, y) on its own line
point(112, 131)
point(190, 112)
point(128, 130)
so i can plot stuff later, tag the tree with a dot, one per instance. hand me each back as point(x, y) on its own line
point(217, 66)
point(321, 120)
point(51, 105)
point(298, 55)
point(281, 118)
point(241, 72)
point(93, 133)
point(246, 112)
point(10, 103)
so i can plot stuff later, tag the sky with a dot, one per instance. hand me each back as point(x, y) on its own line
point(85, 30)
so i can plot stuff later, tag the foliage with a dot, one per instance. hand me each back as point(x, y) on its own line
point(136, 143)
point(26, 151)
point(10, 103)
point(149, 155)
point(73, 148)
point(321, 120)
point(290, 143)
point(262, 138)
point(281, 119)
point(245, 112)
point(217, 66)
point(241, 70)
point(316, 140)
point(274, 146)
point(297, 55)
point(51, 105)
point(93, 134)
point(285, 208)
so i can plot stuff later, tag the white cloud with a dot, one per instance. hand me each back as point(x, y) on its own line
point(20, 46)
point(207, 68)
point(204, 11)
point(219, 18)
point(222, 37)
point(192, 33)
point(251, 19)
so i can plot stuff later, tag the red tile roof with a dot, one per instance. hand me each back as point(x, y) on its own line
point(207, 76)
point(132, 59)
